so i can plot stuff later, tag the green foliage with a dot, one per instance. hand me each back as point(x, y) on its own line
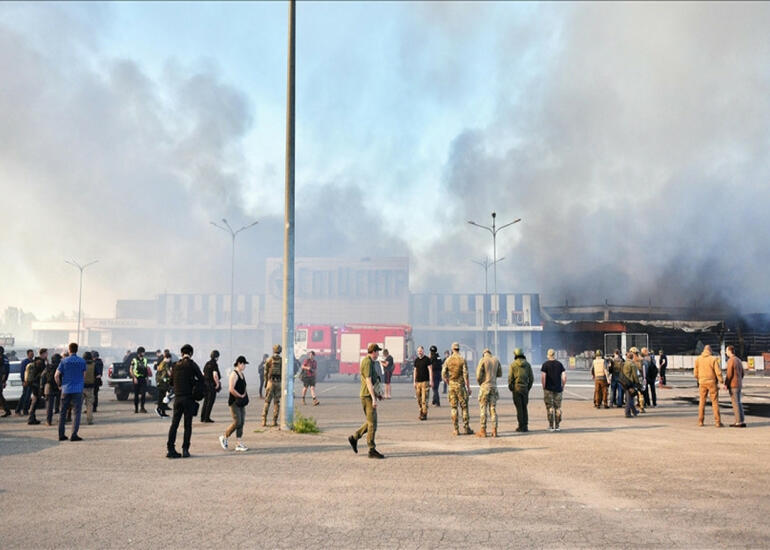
point(305, 424)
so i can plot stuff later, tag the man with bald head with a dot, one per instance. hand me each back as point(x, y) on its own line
point(708, 373)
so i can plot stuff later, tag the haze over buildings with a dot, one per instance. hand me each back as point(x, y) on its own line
point(631, 138)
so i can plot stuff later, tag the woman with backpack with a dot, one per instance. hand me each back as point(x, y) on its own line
point(237, 400)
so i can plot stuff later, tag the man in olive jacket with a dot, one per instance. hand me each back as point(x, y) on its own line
point(520, 380)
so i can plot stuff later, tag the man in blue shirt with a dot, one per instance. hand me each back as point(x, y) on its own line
point(70, 377)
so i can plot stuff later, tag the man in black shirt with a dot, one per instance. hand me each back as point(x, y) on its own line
point(435, 365)
point(423, 380)
point(185, 374)
point(554, 378)
point(213, 379)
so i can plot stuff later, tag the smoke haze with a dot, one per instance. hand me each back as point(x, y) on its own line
point(631, 138)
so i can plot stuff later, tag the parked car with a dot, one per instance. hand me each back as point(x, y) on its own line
point(13, 386)
point(119, 377)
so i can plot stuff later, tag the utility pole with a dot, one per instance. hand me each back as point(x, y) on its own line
point(287, 376)
point(76, 265)
point(485, 263)
point(228, 229)
point(494, 230)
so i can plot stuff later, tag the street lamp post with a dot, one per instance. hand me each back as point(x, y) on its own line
point(228, 229)
point(494, 230)
point(76, 265)
point(485, 263)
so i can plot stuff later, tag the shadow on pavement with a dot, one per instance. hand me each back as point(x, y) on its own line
point(15, 445)
point(468, 452)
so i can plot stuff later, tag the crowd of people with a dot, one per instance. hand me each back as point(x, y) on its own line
point(68, 381)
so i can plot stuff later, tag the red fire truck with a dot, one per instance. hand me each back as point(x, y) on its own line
point(340, 349)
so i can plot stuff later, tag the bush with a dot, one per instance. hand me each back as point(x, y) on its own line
point(305, 424)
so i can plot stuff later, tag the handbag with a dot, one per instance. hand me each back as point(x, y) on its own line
point(242, 401)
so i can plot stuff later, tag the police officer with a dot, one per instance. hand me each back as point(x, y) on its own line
point(185, 374)
point(487, 373)
point(520, 380)
point(273, 368)
point(139, 374)
point(33, 376)
point(212, 377)
point(455, 374)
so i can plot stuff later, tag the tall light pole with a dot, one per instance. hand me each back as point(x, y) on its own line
point(228, 229)
point(485, 263)
point(494, 230)
point(76, 265)
point(287, 328)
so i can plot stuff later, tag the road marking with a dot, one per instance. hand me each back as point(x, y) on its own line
point(327, 389)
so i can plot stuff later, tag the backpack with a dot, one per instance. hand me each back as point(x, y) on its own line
point(90, 374)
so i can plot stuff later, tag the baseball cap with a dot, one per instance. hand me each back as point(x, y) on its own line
point(373, 347)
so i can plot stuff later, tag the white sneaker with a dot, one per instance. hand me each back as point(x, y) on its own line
point(223, 442)
point(241, 447)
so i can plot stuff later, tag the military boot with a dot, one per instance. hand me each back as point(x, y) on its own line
point(264, 422)
point(482, 433)
point(494, 432)
point(468, 430)
point(33, 419)
point(455, 431)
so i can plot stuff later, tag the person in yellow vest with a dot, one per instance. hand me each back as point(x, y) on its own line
point(600, 375)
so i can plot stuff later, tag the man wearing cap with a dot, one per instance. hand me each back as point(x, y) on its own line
point(139, 375)
point(370, 378)
point(455, 374)
point(487, 373)
point(273, 372)
point(553, 377)
point(708, 373)
point(520, 380)
point(423, 380)
point(600, 375)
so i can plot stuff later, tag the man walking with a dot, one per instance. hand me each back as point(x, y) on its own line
point(70, 377)
point(139, 375)
point(553, 377)
point(186, 374)
point(435, 371)
point(309, 368)
point(618, 393)
point(708, 373)
point(5, 369)
point(652, 376)
point(487, 373)
point(455, 374)
point(33, 378)
point(423, 380)
point(99, 372)
point(520, 380)
point(370, 377)
point(273, 372)
point(734, 384)
point(213, 379)
point(600, 375)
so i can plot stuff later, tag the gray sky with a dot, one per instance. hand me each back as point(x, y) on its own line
point(631, 138)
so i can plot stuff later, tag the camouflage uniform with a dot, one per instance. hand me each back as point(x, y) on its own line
point(273, 368)
point(487, 373)
point(455, 373)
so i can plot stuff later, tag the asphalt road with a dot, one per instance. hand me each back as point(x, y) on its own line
point(656, 481)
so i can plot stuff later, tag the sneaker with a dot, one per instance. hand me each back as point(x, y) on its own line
point(76, 438)
point(353, 443)
point(241, 447)
point(374, 454)
point(557, 429)
point(223, 442)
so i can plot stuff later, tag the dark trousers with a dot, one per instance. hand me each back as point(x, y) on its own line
point(436, 382)
point(140, 389)
point(76, 400)
point(51, 403)
point(96, 396)
point(162, 391)
point(208, 403)
point(3, 404)
point(663, 375)
point(22, 407)
point(261, 382)
point(520, 401)
point(630, 408)
point(650, 393)
point(183, 406)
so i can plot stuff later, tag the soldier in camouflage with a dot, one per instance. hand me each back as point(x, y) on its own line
point(520, 380)
point(487, 373)
point(273, 369)
point(455, 375)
